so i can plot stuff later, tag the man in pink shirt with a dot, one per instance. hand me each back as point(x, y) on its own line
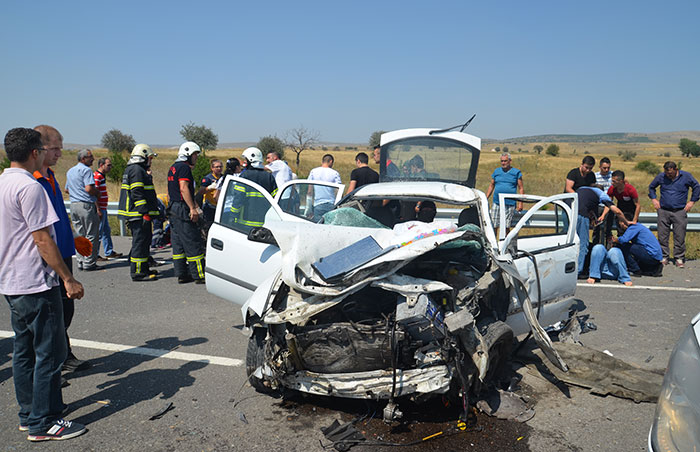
point(30, 265)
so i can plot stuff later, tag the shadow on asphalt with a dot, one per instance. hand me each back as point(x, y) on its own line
point(120, 393)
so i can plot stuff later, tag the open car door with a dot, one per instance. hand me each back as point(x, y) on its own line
point(296, 196)
point(540, 252)
point(237, 263)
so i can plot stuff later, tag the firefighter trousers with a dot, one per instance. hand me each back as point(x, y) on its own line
point(187, 242)
point(141, 234)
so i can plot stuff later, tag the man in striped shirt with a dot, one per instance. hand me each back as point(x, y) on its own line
point(104, 166)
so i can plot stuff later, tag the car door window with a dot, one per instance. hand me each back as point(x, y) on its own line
point(297, 197)
point(245, 206)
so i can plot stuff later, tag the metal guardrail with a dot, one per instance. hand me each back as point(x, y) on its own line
point(541, 219)
point(545, 219)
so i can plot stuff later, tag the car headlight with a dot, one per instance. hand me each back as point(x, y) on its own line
point(677, 420)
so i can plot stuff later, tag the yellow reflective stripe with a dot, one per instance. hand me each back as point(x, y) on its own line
point(200, 270)
point(274, 192)
point(178, 256)
point(239, 188)
point(140, 203)
point(153, 212)
point(254, 194)
point(138, 259)
point(249, 223)
point(149, 187)
point(195, 258)
point(136, 184)
point(235, 209)
point(125, 186)
point(128, 214)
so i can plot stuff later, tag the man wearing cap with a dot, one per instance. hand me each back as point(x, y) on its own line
point(184, 215)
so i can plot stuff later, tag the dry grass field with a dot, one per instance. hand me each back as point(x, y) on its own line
point(542, 174)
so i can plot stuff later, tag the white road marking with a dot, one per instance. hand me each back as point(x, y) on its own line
point(622, 286)
point(157, 353)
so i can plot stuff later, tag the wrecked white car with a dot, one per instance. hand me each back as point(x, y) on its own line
point(362, 305)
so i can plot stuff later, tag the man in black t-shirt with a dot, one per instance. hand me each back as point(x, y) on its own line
point(581, 176)
point(183, 214)
point(363, 174)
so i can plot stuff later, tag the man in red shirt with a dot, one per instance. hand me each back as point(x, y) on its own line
point(104, 166)
point(626, 195)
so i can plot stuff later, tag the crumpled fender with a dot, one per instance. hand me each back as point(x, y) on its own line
point(519, 295)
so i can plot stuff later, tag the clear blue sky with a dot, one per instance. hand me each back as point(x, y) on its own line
point(346, 69)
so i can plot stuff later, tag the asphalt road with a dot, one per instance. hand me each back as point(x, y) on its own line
point(156, 343)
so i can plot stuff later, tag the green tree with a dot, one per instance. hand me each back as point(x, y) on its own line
point(269, 144)
point(505, 149)
point(5, 163)
point(553, 150)
point(648, 166)
point(689, 148)
point(375, 138)
point(202, 135)
point(627, 155)
point(300, 139)
point(538, 148)
point(115, 141)
point(118, 167)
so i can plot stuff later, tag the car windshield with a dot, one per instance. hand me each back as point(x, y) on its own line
point(429, 158)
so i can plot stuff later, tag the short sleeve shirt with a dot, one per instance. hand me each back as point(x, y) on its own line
point(101, 185)
point(363, 176)
point(323, 195)
point(506, 182)
point(26, 208)
point(209, 179)
point(581, 181)
point(281, 171)
point(77, 178)
point(179, 171)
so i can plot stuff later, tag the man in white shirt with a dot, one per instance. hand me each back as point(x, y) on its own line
point(324, 197)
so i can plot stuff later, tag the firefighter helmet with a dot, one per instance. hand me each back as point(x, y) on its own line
point(188, 148)
point(143, 150)
point(254, 156)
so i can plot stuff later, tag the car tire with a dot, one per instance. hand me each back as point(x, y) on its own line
point(254, 358)
point(499, 339)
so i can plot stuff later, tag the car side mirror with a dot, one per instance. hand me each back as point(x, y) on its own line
point(262, 235)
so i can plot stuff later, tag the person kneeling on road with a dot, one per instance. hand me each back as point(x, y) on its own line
point(137, 204)
point(640, 247)
point(608, 264)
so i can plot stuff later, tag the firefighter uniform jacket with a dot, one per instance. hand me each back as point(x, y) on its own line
point(137, 196)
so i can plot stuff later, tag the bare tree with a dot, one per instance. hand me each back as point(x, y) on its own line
point(300, 139)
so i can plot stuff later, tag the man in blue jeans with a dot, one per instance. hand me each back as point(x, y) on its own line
point(30, 265)
point(608, 264)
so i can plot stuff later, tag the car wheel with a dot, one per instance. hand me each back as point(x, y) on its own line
point(499, 339)
point(255, 357)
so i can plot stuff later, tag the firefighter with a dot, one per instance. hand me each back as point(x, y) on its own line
point(249, 205)
point(137, 205)
point(183, 214)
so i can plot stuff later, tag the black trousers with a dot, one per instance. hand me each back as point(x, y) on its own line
point(141, 234)
point(68, 305)
point(188, 245)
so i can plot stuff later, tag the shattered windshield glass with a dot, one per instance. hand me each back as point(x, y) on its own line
point(429, 158)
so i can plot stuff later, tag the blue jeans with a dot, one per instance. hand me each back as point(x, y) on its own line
point(582, 232)
point(39, 352)
point(638, 258)
point(321, 209)
point(608, 264)
point(106, 234)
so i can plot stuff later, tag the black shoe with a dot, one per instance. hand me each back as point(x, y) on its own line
point(61, 429)
point(71, 364)
point(583, 276)
point(199, 281)
point(184, 279)
point(144, 277)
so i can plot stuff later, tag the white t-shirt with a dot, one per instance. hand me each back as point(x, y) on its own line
point(324, 195)
point(25, 208)
point(281, 171)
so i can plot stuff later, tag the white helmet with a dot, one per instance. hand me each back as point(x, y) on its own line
point(254, 156)
point(188, 148)
point(141, 152)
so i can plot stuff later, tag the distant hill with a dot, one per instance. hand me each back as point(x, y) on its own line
point(620, 137)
